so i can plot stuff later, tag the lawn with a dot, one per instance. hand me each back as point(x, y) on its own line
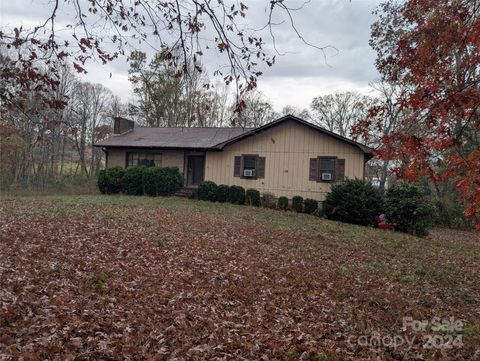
point(113, 277)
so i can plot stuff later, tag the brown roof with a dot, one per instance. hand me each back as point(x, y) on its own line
point(207, 138)
point(192, 138)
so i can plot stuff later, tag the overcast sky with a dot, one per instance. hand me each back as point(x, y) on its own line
point(298, 76)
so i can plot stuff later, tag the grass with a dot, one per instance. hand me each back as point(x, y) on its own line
point(204, 280)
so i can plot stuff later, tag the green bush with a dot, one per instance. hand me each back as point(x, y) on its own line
point(222, 193)
point(354, 201)
point(207, 191)
point(132, 181)
point(311, 205)
point(110, 180)
point(252, 197)
point(297, 204)
point(268, 200)
point(450, 214)
point(158, 181)
point(283, 203)
point(408, 209)
point(236, 195)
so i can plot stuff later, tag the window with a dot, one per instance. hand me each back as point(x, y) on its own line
point(249, 166)
point(146, 159)
point(326, 169)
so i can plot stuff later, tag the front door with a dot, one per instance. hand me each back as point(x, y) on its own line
point(195, 169)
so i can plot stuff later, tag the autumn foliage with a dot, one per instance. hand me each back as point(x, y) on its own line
point(432, 49)
point(143, 278)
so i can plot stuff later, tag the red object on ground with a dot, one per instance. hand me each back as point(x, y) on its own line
point(383, 224)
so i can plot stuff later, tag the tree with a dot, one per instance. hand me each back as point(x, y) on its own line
point(431, 47)
point(338, 112)
point(157, 89)
point(165, 97)
point(386, 112)
point(88, 116)
point(292, 110)
point(257, 111)
point(182, 30)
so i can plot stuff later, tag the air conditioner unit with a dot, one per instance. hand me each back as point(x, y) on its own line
point(249, 172)
point(327, 176)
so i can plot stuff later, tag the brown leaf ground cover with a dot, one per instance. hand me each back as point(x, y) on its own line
point(113, 277)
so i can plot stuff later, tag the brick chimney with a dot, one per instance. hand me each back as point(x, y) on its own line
point(122, 125)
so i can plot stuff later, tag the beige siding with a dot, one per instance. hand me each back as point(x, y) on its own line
point(287, 149)
point(170, 158)
point(173, 158)
point(116, 158)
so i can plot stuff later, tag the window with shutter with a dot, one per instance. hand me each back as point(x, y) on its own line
point(249, 166)
point(326, 169)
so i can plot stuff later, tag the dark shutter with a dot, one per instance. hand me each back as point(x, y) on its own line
point(313, 175)
point(261, 167)
point(340, 169)
point(237, 166)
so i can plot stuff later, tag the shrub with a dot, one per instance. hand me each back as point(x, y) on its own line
point(407, 208)
point(151, 178)
point(164, 181)
point(311, 205)
point(222, 193)
point(354, 201)
point(297, 204)
point(283, 203)
point(252, 197)
point(102, 181)
point(450, 214)
point(268, 200)
point(319, 212)
point(110, 180)
point(207, 191)
point(132, 181)
point(236, 195)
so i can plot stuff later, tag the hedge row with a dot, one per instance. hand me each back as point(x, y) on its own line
point(209, 191)
point(153, 181)
point(355, 201)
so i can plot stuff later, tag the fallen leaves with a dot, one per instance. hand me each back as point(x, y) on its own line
point(112, 277)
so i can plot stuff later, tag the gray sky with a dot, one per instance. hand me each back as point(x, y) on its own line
point(298, 76)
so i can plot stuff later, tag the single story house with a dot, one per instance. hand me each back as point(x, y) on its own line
point(286, 157)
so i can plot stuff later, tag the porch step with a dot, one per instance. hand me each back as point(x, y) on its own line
point(187, 192)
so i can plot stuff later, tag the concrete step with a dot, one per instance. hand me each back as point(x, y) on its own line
point(187, 192)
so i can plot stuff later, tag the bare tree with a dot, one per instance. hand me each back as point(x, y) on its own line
point(338, 112)
point(257, 111)
point(292, 110)
point(104, 30)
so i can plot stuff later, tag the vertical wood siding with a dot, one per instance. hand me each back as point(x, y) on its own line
point(287, 149)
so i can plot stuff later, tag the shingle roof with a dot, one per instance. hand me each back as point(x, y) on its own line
point(198, 138)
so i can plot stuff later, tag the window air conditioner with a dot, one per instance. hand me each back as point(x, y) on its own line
point(327, 176)
point(249, 173)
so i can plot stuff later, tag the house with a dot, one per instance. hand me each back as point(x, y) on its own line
point(286, 157)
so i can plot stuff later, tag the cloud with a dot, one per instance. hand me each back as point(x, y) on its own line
point(302, 73)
